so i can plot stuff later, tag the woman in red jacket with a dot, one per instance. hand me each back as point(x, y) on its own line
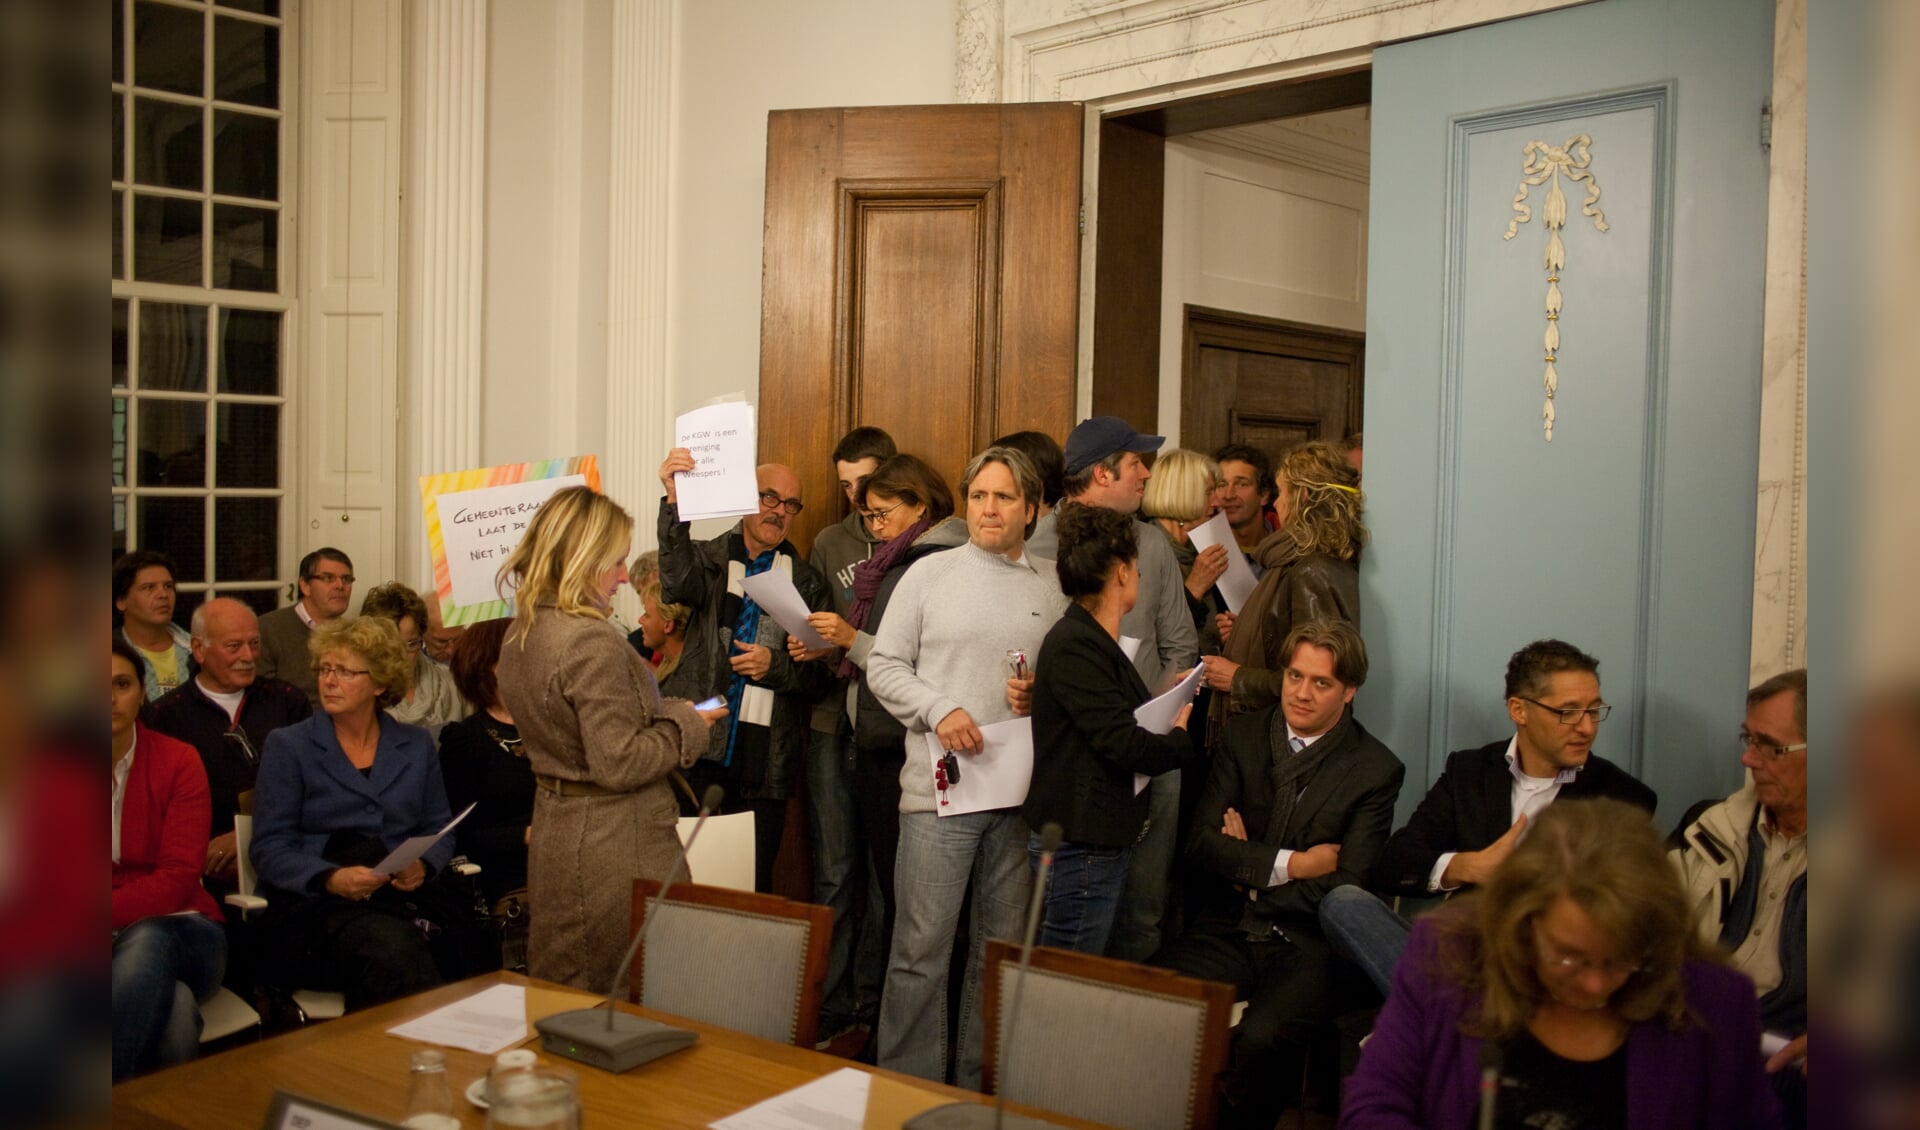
point(168, 949)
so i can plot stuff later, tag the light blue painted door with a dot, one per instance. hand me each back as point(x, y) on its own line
point(1630, 533)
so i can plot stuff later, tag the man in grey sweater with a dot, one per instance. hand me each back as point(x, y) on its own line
point(1104, 468)
point(940, 666)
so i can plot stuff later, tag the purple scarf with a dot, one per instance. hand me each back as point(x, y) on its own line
point(867, 577)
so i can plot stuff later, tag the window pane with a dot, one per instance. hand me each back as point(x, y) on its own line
point(119, 236)
point(119, 525)
point(119, 41)
point(166, 240)
point(168, 46)
point(262, 601)
point(119, 343)
point(258, 7)
point(249, 446)
point(250, 351)
point(176, 527)
point(246, 248)
point(246, 534)
point(246, 62)
point(246, 155)
point(119, 132)
point(119, 453)
point(173, 347)
point(167, 144)
point(173, 446)
point(184, 602)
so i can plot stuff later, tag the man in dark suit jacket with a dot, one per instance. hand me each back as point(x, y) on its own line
point(1298, 802)
point(1480, 806)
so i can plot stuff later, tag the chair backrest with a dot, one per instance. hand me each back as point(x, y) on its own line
point(750, 962)
point(1104, 1040)
point(723, 855)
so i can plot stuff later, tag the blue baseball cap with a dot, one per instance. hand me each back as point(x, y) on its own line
point(1100, 436)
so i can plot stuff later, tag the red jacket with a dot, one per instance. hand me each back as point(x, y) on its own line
point(164, 819)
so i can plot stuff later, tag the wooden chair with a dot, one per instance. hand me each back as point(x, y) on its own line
point(750, 962)
point(1105, 1040)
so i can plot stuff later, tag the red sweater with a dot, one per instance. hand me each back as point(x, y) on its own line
point(164, 819)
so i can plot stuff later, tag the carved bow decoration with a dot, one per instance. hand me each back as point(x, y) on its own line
point(1545, 164)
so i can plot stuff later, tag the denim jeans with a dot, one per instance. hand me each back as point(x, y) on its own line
point(162, 968)
point(855, 964)
point(1083, 895)
point(1365, 930)
point(1143, 905)
point(938, 857)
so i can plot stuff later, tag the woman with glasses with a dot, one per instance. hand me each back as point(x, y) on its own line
point(1570, 991)
point(335, 795)
point(433, 700)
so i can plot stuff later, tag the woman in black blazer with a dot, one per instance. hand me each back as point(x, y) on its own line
point(1086, 745)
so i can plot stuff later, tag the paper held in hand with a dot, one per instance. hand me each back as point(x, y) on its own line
point(1156, 715)
point(416, 846)
point(997, 776)
point(773, 590)
point(723, 483)
point(1236, 584)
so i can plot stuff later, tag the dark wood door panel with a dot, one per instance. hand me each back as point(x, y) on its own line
point(1267, 383)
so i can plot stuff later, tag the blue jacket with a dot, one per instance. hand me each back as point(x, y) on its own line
point(307, 790)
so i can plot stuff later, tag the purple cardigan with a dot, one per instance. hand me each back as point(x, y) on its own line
point(1419, 1070)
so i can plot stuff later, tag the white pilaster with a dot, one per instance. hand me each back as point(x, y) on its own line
point(976, 58)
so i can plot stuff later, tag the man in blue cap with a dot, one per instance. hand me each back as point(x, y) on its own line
point(1104, 468)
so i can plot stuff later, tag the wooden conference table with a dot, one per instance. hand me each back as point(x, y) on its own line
point(353, 1063)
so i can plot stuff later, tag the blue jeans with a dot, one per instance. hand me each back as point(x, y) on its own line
point(855, 964)
point(1136, 931)
point(1365, 930)
point(162, 968)
point(1083, 895)
point(938, 857)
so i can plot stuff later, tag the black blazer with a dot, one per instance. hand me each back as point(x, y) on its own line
point(1471, 805)
point(1086, 745)
point(1348, 800)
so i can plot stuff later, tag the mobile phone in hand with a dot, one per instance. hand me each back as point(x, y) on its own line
point(714, 703)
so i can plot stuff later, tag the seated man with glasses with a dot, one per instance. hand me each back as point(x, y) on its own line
point(735, 650)
point(1480, 807)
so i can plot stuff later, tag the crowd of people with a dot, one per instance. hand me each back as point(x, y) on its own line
point(1570, 966)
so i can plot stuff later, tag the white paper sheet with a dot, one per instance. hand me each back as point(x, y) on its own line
point(414, 847)
point(491, 1020)
point(1236, 584)
point(773, 590)
point(722, 483)
point(831, 1102)
point(1157, 714)
point(1130, 647)
point(996, 777)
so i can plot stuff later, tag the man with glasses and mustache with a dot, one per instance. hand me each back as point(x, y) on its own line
point(326, 589)
point(1479, 808)
point(226, 712)
point(740, 653)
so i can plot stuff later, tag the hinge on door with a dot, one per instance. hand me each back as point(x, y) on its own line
point(1766, 125)
point(1083, 219)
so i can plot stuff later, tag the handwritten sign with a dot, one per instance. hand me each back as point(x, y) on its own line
point(722, 483)
point(476, 518)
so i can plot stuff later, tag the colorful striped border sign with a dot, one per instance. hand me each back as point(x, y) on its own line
point(475, 518)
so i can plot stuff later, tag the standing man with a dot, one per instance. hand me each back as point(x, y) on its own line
point(1247, 489)
point(143, 595)
point(855, 965)
point(1299, 801)
point(326, 589)
point(737, 651)
point(1104, 469)
point(940, 665)
point(1744, 865)
point(226, 712)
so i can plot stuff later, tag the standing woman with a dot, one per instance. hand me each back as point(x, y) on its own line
point(600, 739)
point(1087, 746)
point(1312, 572)
point(1180, 497)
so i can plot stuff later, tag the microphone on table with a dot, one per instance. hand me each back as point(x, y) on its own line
point(975, 1116)
point(1489, 1082)
point(605, 1037)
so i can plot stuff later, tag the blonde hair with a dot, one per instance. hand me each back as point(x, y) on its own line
point(678, 613)
point(1182, 483)
point(575, 538)
point(376, 640)
point(1605, 855)
point(1324, 517)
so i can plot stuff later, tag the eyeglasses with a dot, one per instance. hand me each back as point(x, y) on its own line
point(239, 737)
point(329, 671)
point(1551, 954)
point(1767, 745)
point(875, 516)
point(790, 505)
point(414, 646)
point(332, 578)
point(1570, 715)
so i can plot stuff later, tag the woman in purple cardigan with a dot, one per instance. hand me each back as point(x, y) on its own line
point(1574, 979)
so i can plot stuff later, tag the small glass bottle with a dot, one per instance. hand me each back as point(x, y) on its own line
point(513, 1061)
point(429, 1099)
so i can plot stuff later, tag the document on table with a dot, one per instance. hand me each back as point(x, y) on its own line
point(723, 482)
point(773, 590)
point(831, 1102)
point(1156, 715)
point(491, 1020)
point(414, 847)
point(997, 776)
point(1236, 584)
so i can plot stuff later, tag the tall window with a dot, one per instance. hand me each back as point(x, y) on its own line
point(200, 302)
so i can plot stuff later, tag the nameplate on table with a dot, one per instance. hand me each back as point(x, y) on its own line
point(296, 1112)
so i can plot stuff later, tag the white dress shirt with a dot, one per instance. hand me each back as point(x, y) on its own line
point(1530, 797)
